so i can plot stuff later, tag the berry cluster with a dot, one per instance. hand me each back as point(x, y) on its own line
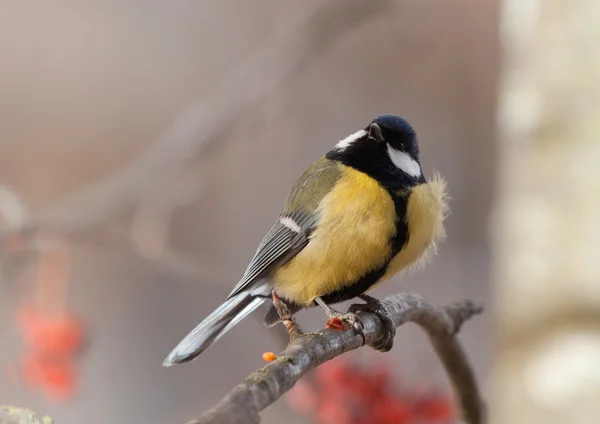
point(340, 392)
point(53, 342)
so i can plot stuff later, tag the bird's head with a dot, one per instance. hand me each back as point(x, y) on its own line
point(387, 149)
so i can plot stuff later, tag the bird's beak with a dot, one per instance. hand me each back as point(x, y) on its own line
point(375, 132)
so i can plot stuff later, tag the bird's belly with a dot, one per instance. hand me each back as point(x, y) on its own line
point(357, 220)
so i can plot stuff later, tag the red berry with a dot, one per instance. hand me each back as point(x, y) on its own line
point(392, 410)
point(333, 413)
point(58, 335)
point(337, 324)
point(433, 407)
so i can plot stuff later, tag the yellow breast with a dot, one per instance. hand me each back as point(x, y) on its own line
point(426, 211)
point(357, 218)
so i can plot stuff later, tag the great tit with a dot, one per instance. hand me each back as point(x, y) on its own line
point(356, 217)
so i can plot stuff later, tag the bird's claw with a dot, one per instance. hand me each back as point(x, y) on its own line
point(339, 321)
point(380, 309)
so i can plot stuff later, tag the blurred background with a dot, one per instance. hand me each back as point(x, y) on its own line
point(146, 147)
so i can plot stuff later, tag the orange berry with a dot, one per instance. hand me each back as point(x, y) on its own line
point(336, 324)
point(269, 356)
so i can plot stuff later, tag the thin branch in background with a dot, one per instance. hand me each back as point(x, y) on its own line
point(13, 213)
point(262, 388)
point(202, 122)
point(148, 181)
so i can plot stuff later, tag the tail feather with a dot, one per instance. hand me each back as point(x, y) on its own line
point(223, 319)
point(256, 302)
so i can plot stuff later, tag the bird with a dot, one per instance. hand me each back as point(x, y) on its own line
point(362, 213)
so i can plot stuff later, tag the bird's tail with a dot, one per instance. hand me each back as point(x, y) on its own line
point(223, 319)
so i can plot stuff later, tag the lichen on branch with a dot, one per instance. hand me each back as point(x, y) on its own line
point(17, 415)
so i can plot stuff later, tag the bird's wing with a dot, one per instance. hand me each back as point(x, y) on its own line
point(283, 241)
point(291, 232)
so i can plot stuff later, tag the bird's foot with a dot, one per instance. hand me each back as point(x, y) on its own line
point(338, 320)
point(342, 322)
point(286, 317)
point(379, 308)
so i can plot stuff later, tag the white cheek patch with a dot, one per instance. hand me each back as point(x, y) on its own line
point(288, 222)
point(404, 162)
point(350, 139)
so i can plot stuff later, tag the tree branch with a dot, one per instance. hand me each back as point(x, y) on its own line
point(262, 388)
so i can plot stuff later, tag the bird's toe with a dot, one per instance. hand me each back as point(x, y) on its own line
point(386, 342)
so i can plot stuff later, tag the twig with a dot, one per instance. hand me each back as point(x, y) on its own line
point(243, 404)
point(201, 123)
point(157, 173)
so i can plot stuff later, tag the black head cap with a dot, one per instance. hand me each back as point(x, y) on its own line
point(398, 133)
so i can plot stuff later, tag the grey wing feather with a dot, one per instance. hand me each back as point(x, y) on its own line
point(279, 246)
point(281, 243)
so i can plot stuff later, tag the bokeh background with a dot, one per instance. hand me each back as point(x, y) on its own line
point(138, 140)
